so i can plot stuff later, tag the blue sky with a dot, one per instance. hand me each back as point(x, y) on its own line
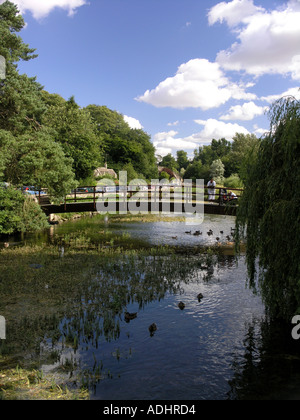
point(186, 71)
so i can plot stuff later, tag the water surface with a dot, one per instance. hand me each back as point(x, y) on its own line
point(66, 314)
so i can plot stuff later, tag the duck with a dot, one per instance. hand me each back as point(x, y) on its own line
point(181, 305)
point(174, 237)
point(189, 232)
point(197, 233)
point(221, 231)
point(210, 232)
point(129, 316)
point(199, 297)
point(152, 328)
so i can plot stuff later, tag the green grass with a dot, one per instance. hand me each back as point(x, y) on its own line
point(22, 384)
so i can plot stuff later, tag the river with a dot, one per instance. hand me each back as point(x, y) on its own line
point(64, 295)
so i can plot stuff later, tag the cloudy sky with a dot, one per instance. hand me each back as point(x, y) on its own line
point(186, 71)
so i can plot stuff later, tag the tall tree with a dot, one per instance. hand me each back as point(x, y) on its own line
point(12, 47)
point(217, 170)
point(182, 159)
point(76, 132)
point(123, 145)
point(169, 161)
point(35, 159)
point(269, 212)
point(21, 104)
point(241, 145)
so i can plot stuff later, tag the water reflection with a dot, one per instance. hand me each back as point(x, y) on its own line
point(69, 314)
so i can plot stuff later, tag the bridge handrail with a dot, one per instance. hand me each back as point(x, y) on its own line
point(94, 192)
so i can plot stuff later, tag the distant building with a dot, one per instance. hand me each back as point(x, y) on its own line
point(102, 172)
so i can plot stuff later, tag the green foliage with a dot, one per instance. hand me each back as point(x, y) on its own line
point(20, 96)
point(12, 47)
point(233, 181)
point(269, 212)
point(242, 145)
point(21, 103)
point(123, 145)
point(217, 171)
point(169, 162)
point(231, 154)
point(19, 213)
point(164, 175)
point(35, 159)
point(131, 173)
point(182, 159)
point(197, 170)
point(75, 131)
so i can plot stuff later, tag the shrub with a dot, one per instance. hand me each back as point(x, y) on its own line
point(19, 213)
point(233, 181)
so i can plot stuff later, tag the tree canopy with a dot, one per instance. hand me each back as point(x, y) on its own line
point(269, 213)
point(74, 130)
point(123, 145)
point(221, 159)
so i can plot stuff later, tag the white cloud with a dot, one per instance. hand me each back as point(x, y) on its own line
point(198, 83)
point(268, 41)
point(244, 112)
point(259, 132)
point(132, 122)
point(290, 92)
point(173, 124)
point(167, 142)
point(233, 12)
point(214, 129)
point(41, 8)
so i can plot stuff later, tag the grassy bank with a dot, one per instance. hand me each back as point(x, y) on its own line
point(22, 384)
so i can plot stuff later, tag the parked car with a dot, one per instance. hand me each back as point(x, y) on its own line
point(80, 190)
point(110, 189)
point(32, 191)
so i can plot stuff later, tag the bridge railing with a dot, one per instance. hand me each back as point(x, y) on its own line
point(221, 196)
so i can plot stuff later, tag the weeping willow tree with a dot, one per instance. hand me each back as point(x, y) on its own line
point(269, 212)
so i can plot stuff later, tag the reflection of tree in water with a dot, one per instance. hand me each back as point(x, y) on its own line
point(78, 299)
point(270, 368)
point(103, 301)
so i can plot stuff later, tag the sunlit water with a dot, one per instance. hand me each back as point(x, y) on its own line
point(222, 347)
point(192, 353)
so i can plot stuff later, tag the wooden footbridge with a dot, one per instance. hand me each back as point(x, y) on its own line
point(148, 200)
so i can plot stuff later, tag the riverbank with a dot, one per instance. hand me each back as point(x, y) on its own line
point(21, 384)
